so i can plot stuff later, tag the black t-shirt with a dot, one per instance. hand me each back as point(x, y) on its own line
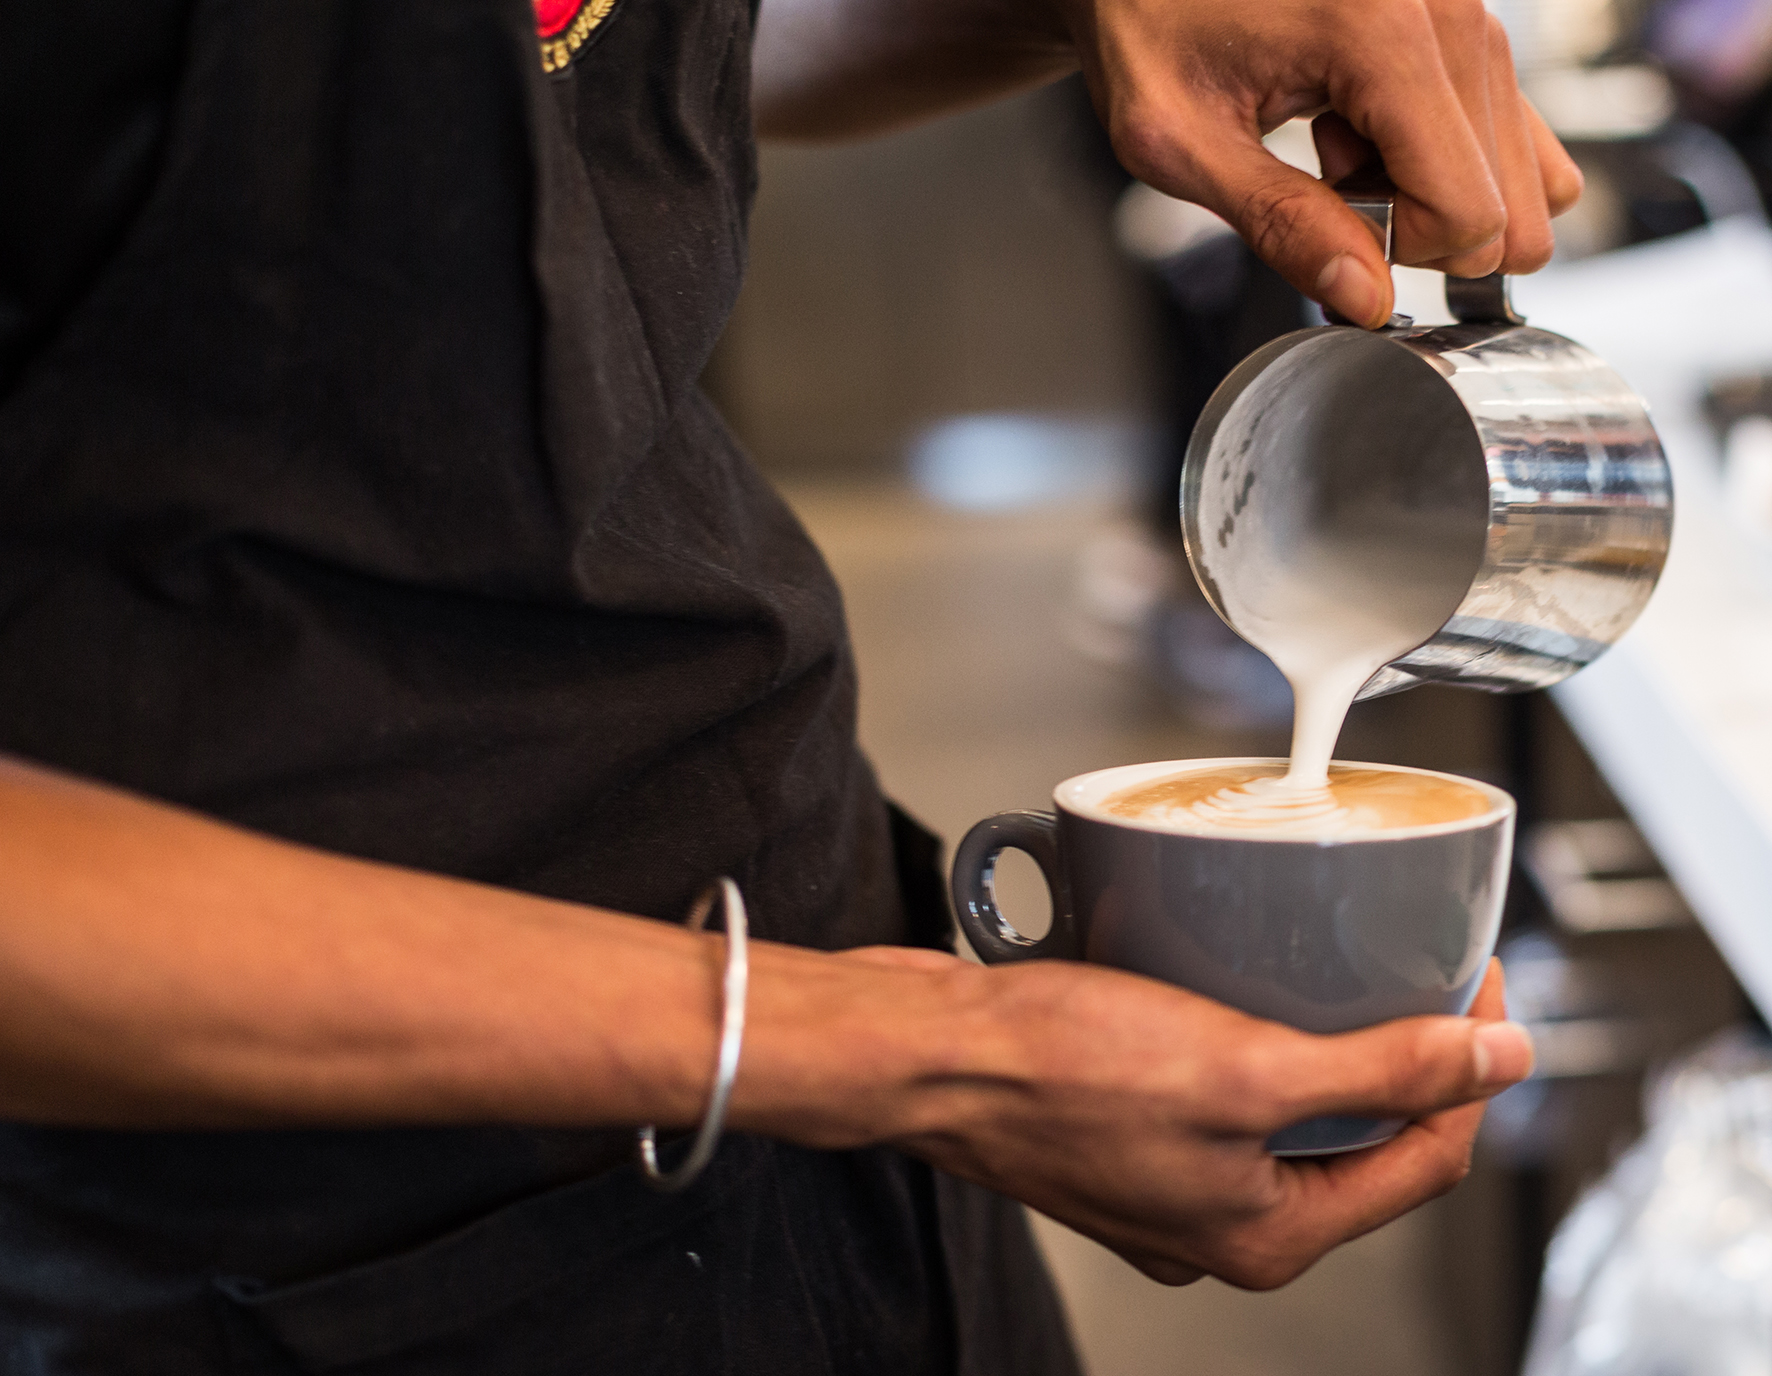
point(355, 487)
point(358, 484)
point(82, 139)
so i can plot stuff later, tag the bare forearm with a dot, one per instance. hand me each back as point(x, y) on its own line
point(1186, 90)
point(841, 68)
point(160, 969)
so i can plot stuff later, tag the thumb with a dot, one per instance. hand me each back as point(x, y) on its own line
point(1297, 225)
point(1408, 1068)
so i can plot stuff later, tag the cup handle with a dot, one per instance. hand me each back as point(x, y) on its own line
point(975, 899)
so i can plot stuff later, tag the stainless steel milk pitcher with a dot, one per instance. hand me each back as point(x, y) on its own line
point(1501, 469)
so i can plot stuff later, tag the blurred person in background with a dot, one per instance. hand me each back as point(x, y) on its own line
point(389, 629)
point(1719, 53)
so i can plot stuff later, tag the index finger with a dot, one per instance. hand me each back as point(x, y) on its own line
point(1323, 1203)
point(1469, 58)
point(1402, 98)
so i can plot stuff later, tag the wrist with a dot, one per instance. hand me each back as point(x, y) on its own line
point(866, 1047)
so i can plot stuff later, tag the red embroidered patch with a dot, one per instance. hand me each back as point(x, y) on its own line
point(553, 15)
point(564, 26)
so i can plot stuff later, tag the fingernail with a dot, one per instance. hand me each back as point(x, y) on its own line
point(1503, 1053)
point(1346, 285)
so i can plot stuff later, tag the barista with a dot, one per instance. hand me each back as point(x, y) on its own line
point(393, 643)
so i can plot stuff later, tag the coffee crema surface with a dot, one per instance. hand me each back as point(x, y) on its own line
point(1260, 798)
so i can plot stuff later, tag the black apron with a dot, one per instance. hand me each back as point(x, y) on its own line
point(366, 498)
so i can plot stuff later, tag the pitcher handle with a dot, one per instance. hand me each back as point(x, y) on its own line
point(1370, 194)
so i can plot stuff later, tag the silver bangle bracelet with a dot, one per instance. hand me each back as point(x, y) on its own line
point(738, 971)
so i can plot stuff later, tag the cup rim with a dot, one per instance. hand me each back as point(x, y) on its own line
point(1072, 796)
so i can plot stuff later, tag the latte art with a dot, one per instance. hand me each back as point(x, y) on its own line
point(1271, 804)
point(1261, 799)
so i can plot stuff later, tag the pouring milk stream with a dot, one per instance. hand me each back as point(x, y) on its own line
point(1330, 619)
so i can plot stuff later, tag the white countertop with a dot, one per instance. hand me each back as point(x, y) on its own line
point(1678, 715)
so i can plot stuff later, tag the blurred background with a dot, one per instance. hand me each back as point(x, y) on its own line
point(971, 355)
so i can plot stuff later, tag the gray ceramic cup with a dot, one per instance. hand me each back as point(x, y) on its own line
point(1325, 935)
